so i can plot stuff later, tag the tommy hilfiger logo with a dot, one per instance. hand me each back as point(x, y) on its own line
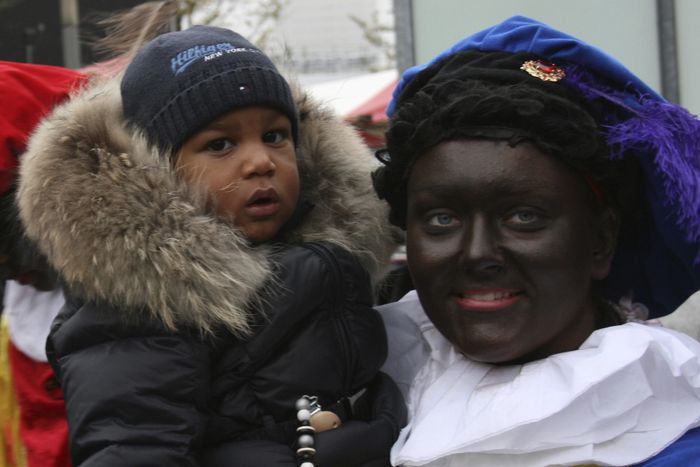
point(221, 53)
point(183, 59)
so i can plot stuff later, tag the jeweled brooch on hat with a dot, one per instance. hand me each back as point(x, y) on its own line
point(543, 70)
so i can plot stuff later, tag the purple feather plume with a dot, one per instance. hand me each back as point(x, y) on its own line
point(648, 126)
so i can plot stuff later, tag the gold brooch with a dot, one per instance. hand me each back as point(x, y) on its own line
point(543, 70)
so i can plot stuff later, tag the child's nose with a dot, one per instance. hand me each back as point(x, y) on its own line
point(257, 162)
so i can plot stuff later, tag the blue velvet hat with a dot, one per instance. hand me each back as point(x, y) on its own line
point(662, 267)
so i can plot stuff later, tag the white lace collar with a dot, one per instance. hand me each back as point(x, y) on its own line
point(626, 394)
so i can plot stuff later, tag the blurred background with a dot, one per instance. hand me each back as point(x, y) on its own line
point(349, 53)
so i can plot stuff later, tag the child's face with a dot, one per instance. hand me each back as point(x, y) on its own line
point(503, 246)
point(246, 161)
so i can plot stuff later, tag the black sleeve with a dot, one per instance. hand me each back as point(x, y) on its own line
point(251, 453)
point(366, 442)
point(302, 284)
point(135, 395)
point(363, 442)
point(267, 362)
point(322, 334)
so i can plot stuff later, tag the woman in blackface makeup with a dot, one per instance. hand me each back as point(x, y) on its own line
point(551, 205)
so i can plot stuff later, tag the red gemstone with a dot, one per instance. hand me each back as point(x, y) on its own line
point(546, 68)
point(543, 70)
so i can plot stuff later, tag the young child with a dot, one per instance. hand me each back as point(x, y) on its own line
point(217, 239)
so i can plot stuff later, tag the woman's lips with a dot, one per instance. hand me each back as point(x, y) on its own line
point(485, 300)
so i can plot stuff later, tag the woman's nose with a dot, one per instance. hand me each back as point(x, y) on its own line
point(480, 250)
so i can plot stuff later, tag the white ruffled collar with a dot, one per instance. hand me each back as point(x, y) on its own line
point(626, 394)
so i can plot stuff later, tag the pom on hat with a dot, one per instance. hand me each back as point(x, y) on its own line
point(182, 80)
point(661, 268)
point(27, 93)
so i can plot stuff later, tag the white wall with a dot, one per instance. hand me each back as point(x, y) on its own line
point(626, 29)
point(688, 36)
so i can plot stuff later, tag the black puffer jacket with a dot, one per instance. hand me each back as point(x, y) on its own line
point(319, 332)
point(181, 343)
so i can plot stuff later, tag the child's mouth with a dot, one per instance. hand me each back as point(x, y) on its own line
point(263, 203)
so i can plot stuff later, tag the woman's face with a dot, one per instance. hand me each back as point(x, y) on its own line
point(503, 245)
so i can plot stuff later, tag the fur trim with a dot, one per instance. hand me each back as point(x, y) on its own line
point(120, 227)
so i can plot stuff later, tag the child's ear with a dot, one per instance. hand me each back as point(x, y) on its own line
point(605, 241)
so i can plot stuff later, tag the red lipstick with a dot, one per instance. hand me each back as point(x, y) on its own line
point(486, 300)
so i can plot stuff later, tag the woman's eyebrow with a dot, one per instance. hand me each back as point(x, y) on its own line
point(522, 188)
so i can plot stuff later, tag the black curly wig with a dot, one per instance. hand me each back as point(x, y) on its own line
point(474, 94)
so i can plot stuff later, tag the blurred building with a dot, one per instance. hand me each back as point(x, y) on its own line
point(313, 37)
point(323, 37)
point(54, 32)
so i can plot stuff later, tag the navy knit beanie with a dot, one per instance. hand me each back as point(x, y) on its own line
point(182, 80)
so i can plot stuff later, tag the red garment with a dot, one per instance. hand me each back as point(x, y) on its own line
point(43, 425)
point(27, 93)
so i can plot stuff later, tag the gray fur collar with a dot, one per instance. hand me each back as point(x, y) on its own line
point(115, 221)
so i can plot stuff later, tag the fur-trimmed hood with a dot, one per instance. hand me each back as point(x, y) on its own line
point(116, 222)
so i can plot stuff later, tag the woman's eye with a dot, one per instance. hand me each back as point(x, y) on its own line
point(443, 219)
point(528, 218)
point(219, 145)
point(525, 217)
point(275, 136)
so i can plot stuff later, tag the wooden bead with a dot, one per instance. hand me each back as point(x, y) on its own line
point(324, 420)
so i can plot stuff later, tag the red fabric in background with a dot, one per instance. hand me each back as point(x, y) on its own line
point(370, 117)
point(43, 426)
point(375, 107)
point(27, 93)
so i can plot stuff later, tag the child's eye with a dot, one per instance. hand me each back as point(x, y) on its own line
point(275, 136)
point(219, 145)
